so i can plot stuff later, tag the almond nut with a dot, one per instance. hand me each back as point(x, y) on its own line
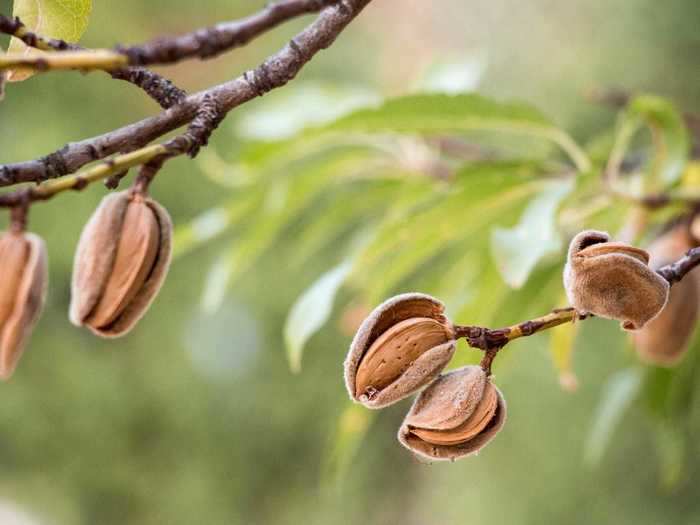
point(402, 346)
point(121, 261)
point(613, 280)
point(22, 292)
point(456, 416)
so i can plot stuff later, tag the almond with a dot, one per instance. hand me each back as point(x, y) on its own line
point(22, 292)
point(121, 262)
point(613, 280)
point(454, 417)
point(402, 346)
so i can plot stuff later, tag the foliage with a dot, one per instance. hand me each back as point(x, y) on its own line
point(432, 192)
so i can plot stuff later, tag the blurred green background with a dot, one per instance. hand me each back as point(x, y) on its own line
point(196, 417)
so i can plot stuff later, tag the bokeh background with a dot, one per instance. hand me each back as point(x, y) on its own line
point(196, 417)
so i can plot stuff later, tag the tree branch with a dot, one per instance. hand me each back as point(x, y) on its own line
point(159, 88)
point(202, 43)
point(491, 340)
point(275, 72)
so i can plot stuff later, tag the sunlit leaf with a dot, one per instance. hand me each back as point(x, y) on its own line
point(311, 311)
point(561, 347)
point(424, 114)
point(353, 424)
point(438, 113)
point(671, 445)
point(344, 209)
point(229, 174)
point(286, 198)
point(452, 77)
point(287, 111)
point(64, 19)
point(670, 142)
point(216, 284)
point(619, 393)
point(210, 224)
point(405, 241)
point(517, 250)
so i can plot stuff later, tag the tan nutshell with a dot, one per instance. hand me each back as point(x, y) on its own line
point(23, 285)
point(664, 340)
point(454, 417)
point(399, 348)
point(613, 280)
point(120, 264)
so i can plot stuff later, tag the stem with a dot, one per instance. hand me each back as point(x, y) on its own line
point(492, 340)
point(159, 88)
point(202, 43)
point(80, 180)
point(83, 60)
point(275, 72)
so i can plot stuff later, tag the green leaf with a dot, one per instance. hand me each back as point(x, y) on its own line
point(425, 114)
point(62, 19)
point(618, 395)
point(517, 250)
point(311, 311)
point(561, 347)
point(353, 424)
point(216, 283)
point(344, 209)
point(671, 446)
point(439, 113)
point(671, 143)
point(287, 111)
point(427, 226)
point(211, 223)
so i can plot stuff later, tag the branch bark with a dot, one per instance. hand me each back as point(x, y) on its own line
point(275, 72)
point(202, 43)
point(159, 88)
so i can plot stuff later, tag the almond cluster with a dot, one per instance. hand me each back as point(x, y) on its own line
point(402, 347)
point(121, 262)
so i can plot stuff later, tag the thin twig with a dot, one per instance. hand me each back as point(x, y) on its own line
point(150, 158)
point(492, 340)
point(202, 43)
point(275, 72)
point(159, 88)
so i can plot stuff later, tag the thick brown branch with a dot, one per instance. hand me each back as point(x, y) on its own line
point(159, 88)
point(491, 340)
point(212, 41)
point(202, 43)
point(275, 72)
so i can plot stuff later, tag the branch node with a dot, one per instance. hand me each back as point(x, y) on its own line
point(54, 166)
point(209, 116)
